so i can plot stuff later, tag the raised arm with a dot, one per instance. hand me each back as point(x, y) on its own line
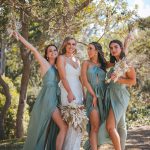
point(62, 74)
point(86, 83)
point(42, 61)
point(127, 42)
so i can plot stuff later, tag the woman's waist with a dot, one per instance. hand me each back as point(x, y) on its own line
point(72, 82)
point(53, 85)
point(116, 85)
point(74, 85)
point(74, 78)
point(95, 79)
point(50, 83)
point(97, 84)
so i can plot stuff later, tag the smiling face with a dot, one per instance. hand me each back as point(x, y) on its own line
point(115, 49)
point(71, 46)
point(92, 52)
point(51, 52)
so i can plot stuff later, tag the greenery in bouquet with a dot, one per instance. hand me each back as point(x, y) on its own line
point(120, 68)
point(75, 115)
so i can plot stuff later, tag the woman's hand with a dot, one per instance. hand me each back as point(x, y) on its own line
point(113, 76)
point(94, 101)
point(70, 97)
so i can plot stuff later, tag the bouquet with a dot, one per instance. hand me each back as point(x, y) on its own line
point(13, 22)
point(75, 115)
point(120, 68)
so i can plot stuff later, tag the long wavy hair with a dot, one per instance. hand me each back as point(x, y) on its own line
point(46, 49)
point(101, 58)
point(62, 50)
point(122, 54)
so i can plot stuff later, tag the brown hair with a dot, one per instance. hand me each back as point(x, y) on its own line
point(46, 48)
point(122, 54)
point(101, 58)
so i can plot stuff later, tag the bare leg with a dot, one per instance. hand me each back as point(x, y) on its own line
point(94, 122)
point(110, 125)
point(62, 129)
point(122, 131)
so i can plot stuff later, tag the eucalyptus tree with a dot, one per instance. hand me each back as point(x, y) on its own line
point(45, 21)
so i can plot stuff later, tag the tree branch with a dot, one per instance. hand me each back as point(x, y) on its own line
point(82, 43)
point(82, 6)
point(106, 31)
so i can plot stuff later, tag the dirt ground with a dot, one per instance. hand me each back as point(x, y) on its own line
point(138, 139)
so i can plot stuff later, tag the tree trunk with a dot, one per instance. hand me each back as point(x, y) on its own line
point(25, 55)
point(5, 107)
point(26, 69)
point(22, 98)
point(82, 6)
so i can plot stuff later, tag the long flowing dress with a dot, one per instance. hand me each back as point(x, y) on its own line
point(96, 78)
point(112, 94)
point(73, 137)
point(117, 97)
point(41, 126)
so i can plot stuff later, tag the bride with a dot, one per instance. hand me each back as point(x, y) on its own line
point(71, 89)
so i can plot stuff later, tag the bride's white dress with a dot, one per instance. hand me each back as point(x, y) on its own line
point(73, 137)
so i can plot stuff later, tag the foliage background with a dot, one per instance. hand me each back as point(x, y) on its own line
point(49, 21)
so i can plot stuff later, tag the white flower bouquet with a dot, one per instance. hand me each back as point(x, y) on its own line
point(11, 28)
point(75, 115)
point(120, 68)
point(13, 25)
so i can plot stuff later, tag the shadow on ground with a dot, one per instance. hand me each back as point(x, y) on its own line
point(138, 138)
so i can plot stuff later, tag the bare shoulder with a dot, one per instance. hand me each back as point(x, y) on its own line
point(131, 71)
point(61, 59)
point(131, 68)
point(85, 63)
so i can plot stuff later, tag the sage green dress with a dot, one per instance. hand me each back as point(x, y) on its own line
point(117, 97)
point(42, 130)
point(96, 78)
point(112, 94)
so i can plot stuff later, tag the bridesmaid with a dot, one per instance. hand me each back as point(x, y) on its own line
point(45, 114)
point(103, 136)
point(89, 77)
point(93, 76)
point(117, 96)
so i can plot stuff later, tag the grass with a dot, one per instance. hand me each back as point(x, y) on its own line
point(12, 144)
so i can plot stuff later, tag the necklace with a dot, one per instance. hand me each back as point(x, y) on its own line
point(68, 56)
point(96, 63)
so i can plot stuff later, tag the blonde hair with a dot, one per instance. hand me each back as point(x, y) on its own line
point(62, 50)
